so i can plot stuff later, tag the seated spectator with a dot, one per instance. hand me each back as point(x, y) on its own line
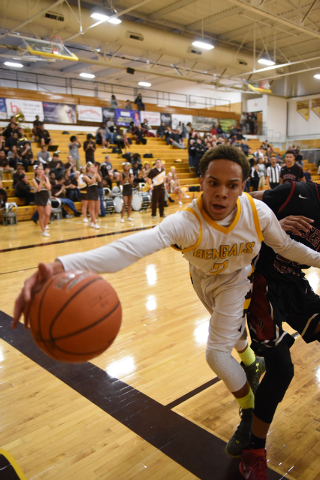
point(174, 185)
point(192, 154)
point(2, 143)
point(74, 146)
point(26, 155)
point(13, 140)
point(52, 178)
point(36, 126)
point(175, 139)
point(128, 105)
point(161, 130)
point(108, 172)
point(53, 163)
point(114, 102)
point(307, 175)
point(4, 166)
point(58, 191)
point(147, 128)
point(118, 138)
point(3, 197)
point(138, 101)
point(136, 157)
point(110, 125)
point(89, 147)
point(100, 139)
point(14, 157)
point(137, 172)
point(70, 165)
point(43, 156)
point(17, 174)
point(44, 136)
point(71, 186)
point(8, 131)
point(58, 170)
point(244, 147)
point(131, 127)
point(140, 136)
point(23, 190)
point(199, 152)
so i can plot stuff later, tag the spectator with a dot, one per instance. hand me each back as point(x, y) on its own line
point(118, 138)
point(262, 173)
point(89, 147)
point(175, 139)
point(44, 136)
point(199, 152)
point(273, 174)
point(53, 163)
point(7, 132)
point(244, 147)
point(110, 125)
point(100, 139)
point(26, 155)
point(14, 157)
point(139, 103)
point(192, 154)
point(102, 212)
point(255, 177)
point(161, 130)
point(71, 186)
point(59, 191)
point(243, 123)
point(107, 134)
point(155, 179)
point(4, 166)
point(3, 197)
point(22, 190)
point(128, 105)
point(13, 140)
point(74, 146)
point(17, 175)
point(108, 173)
point(58, 170)
point(291, 171)
point(36, 126)
point(140, 136)
point(214, 130)
point(114, 102)
point(43, 156)
point(307, 175)
point(175, 187)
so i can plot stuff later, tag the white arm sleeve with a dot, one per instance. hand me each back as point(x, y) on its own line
point(280, 242)
point(181, 228)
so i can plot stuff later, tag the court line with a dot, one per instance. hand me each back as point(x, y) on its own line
point(194, 448)
point(192, 393)
point(117, 232)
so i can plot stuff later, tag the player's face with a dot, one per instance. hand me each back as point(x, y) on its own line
point(221, 186)
point(290, 160)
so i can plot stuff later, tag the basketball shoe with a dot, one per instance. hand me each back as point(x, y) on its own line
point(253, 465)
point(242, 436)
point(254, 372)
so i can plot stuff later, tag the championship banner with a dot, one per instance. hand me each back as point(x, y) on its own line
point(108, 113)
point(29, 108)
point(227, 124)
point(89, 114)
point(125, 117)
point(204, 123)
point(59, 113)
point(180, 118)
point(303, 109)
point(152, 117)
point(166, 119)
point(3, 110)
point(315, 106)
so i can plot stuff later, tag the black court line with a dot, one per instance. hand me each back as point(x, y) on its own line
point(194, 392)
point(24, 247)
point(195, 449)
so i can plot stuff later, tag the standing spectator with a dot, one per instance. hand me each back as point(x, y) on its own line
point(43, 156)
point(273, 174)
point(114, 102)
point(36, 126)
point(89, 147)
point(74, 146)
point(100, 191)
point(243, 123)
point(155, 179)
point(291, 172)
point(44, 136)
point(139, 103)
point(128, 105)
point(262, 173)
point(199, 152)
point(254, 182)
point(192, 154)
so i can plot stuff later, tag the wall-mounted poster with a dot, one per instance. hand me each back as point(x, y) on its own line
point(29, 108)
point(227, 124)
point(89, 114)
point(303, 109)
point(108, 113)
point(59, 113)
point(3, 110)
point(152, 117)
point(204, 124)
point(125, 117)
point(180, 118)
point(315, 106)
point(166, 119)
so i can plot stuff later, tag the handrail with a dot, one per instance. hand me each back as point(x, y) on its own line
point(209, 102)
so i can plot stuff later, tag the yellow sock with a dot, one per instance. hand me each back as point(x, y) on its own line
point(247, 401)
point(247, 357)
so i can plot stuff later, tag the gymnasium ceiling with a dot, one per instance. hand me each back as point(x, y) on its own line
point(286, 31)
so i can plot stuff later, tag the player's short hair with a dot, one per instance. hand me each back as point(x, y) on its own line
point(225, 152)
point(290, 152)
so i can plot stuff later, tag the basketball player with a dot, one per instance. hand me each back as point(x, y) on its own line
point(291, 171)
point(219, 234)
point(281, 294)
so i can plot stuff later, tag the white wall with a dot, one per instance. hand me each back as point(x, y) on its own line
point(276, 117)
point(255, 105)
point(297, 125)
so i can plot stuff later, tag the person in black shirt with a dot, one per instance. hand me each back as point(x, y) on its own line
point(58, 170)
point(22, 190)
point(140, 136)
point(89, 147)
point(291, 172)
point(161, 130)
point(138, 101)
point(44, 136)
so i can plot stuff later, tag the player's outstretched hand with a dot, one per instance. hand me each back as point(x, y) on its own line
point(294, 223)
point(33, 285)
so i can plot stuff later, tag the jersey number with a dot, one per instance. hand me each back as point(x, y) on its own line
point(219, 267)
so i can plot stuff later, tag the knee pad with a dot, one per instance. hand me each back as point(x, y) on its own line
point(227, 369)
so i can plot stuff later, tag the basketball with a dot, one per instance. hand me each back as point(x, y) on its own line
point(75, 316)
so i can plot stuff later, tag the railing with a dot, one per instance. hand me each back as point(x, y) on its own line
point(72, 86)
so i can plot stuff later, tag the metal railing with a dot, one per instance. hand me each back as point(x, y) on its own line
point(206, 102)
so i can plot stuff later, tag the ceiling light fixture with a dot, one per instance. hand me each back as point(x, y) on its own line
point(101, 17)
point(201, 44)
point(13, 64)
point(86, 75)
point(317, 76)
point(266, 61)
point(144, 84)
point(115, 20)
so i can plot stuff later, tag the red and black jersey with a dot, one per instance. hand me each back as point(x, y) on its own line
point(293, 174)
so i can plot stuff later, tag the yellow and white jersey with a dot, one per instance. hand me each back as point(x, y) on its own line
point(225, 249)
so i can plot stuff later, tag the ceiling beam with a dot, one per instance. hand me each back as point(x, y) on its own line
point(170, 9)
point(214, 18)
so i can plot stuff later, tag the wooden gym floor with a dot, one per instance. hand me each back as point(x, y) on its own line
point(149, 407)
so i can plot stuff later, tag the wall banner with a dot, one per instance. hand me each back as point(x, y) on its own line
point(108, 113)
point(204, 124)
point(152, 117)
point(3, 110)
point(125, 117)
point(59, 113)
point(89, 114)
point(303, 109)
point(29, 108)
point(166, 119)
point(227, 124)
point(180, 118)
point(315, 106)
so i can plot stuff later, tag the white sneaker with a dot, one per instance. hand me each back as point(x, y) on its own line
point(130, 219)
point(85, 220)
point(45, 234)
point(96, 226)
point(92, 224)
point(187, 196)
point(122, 220)
point(47, 227)
point(180, 203)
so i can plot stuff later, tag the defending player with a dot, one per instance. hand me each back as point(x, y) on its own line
point(281, 293)
point(219, 234)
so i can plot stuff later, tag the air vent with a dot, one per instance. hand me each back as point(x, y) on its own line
point(242, 62)
point(194, 50)
point(135, 36)
point(54, 16)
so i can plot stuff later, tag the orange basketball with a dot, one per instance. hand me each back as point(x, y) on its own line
point(75, 317)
